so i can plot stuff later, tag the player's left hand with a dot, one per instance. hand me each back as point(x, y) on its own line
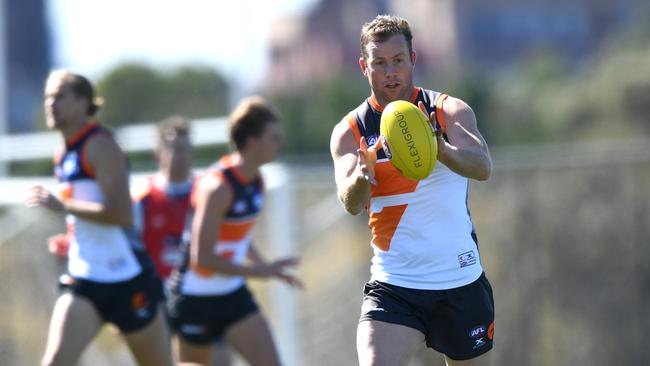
point(41, 197)
point(438, 132)
point(279, 269)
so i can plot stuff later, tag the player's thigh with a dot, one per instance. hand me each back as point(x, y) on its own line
point(251, 337)
point(382, 343)
point(189, 353)
point(150, 345)
point(221, 354)
point(74, 323)
point(482, 360)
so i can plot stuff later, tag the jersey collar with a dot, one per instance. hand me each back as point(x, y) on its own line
point(378, 107)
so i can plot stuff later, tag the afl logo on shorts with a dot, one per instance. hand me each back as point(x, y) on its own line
point(477, 331)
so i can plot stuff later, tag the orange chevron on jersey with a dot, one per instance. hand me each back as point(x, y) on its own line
point(390, 180)
point(235, 230)
point(383, 225)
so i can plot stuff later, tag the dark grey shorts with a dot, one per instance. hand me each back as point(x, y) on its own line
point(457, 322)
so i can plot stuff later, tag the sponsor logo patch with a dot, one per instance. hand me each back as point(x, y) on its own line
point(139, 303)
point(240, 207)
point(70, 164)
point(192, 329)
point(480, 342)
point(467, 259)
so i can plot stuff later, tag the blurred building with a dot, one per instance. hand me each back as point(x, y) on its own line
point(3, 75)
point(25, 42)
point(449, 35)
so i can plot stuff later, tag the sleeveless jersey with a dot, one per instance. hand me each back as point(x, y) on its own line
point(98, 252)
point(422, 232)
point(161, 214)
point(234, 235)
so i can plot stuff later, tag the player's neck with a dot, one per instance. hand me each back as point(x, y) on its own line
point(71, 129)
point(248, 166)
point(175, 177)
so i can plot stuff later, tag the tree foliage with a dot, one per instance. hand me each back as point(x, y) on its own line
point(138, 93)
point(310, 114)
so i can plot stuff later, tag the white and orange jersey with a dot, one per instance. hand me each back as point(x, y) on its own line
point(98, 252)
point(234, 235)
point(422, 232)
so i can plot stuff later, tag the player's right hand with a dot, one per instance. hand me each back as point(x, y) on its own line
point(368, 159)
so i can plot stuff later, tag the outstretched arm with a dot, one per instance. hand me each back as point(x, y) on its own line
point(212, 202)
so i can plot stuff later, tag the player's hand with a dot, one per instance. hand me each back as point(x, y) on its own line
point(368, 159)
point(278, 268)
point(41, 197)
point(59, 245)
point(440, 141)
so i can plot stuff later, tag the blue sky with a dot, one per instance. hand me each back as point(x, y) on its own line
point(92, 36)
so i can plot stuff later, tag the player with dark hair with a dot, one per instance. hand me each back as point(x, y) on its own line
point(427, 281)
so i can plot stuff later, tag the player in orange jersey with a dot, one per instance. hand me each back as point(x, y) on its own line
point(209, 298)
point(427, 281)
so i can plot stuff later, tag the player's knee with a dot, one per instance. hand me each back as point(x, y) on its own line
point(366, 353)
point(52, 359)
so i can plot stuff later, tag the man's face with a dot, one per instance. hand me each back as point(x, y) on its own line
point(175, 153)
point(61, 104)
point(270, 142)
point(389, 69)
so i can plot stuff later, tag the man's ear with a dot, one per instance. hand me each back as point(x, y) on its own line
point(363, 66)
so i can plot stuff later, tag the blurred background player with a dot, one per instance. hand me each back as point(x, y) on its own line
point(162, 207)
point(209, 297)
point(427, 281)
point(110, 277)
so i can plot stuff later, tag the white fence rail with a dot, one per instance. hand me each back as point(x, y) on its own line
point(135, 138)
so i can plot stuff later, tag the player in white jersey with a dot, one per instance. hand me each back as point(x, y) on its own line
point(427, 281)
point(110, 278)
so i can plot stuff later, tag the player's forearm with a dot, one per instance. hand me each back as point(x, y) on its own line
point(354, 193)
point(254, 256)
point(474, 163)
point(224, 266)
point(100, 213)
